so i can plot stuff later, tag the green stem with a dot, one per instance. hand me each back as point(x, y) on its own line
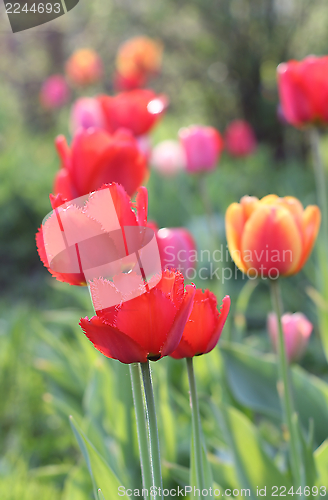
point(285, 392)
point(155, 457)
point(138, 400)
point(196, 426)
point(320, 181)
point(208, 208)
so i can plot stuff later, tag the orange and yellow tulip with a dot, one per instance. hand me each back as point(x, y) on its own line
point(271, 237)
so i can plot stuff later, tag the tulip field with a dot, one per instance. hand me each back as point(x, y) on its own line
point(164, 242)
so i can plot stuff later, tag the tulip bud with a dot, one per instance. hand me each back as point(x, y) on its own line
point(84, 67)
point(86, 112)
point(296, 329)
point(303, 90)
point(54, 92)
point(240, 138)
point(168, 158)
point(177, 249)
point(202, 146)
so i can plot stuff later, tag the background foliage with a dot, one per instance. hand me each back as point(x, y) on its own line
point(219, 64)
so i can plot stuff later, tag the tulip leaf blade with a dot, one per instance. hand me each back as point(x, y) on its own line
point(101, 474)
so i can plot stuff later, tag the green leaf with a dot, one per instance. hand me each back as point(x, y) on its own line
point(77, 484)
point(100, 495)
point(255, 469)
point(101, 474)
point(321, 461)
point(252, 378)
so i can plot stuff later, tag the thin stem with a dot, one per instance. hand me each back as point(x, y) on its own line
point(155, 457)
point(320, 181)
point(208, 208)
point(285, 391)
point(196, 426)
point(138, 400)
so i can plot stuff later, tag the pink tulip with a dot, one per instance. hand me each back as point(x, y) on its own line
point(177, 249)
point(168, 158)
point(86, 112)
point(297, 330)
point(240, 139)
point(202, 146)
point(54, 92)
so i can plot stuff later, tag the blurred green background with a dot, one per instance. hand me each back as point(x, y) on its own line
point(219, 64)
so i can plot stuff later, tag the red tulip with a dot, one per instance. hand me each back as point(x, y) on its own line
point(204, 327)
point(303, 89)
point(96, 158)
point(124, 83)
point(202, 145)
point(73, 241)
point(86, 113)
point(240, 138)
point(136, 110)
point(84, 67)
point(177, 249)
point(146, 327)
point(54, 92)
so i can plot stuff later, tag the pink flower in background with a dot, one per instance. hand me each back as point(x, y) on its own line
point(84, 67)
point(177, 249)
point(297, 330)
point(86, 112)
point(54, 92)
point(202, 146)
point(168, 158)
point(240, 139)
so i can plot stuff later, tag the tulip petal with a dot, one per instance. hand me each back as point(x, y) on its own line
point(310, 225)
point(174, 337)
point(147, 319)
point(112, 342)
point(224, 311)
point(63, 185)
point(271, 243)
point(235, 221)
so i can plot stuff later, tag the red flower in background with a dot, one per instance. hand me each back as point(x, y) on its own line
point(203, 147)
point(146, 327)
point(303, 89)
point(240, 139)
point(54, 92)
point(85, 221)
point(96, 158)
point(137, 110)
point(84, 67)
point(204, 327)
point(138, 59)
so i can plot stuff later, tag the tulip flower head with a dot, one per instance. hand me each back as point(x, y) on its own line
point(143, 328)
point(86, 113)
point(240, 139)
point(139, 58)
point(96, 158)
point(137, 110)
point(177, 249)
point(54, 92)
point(203, 329)
point(168, 158)
point(202, 146)
point(99, 236)
point(84, 67)
point(296, 330)
point(271, 237)
point(303, 90)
